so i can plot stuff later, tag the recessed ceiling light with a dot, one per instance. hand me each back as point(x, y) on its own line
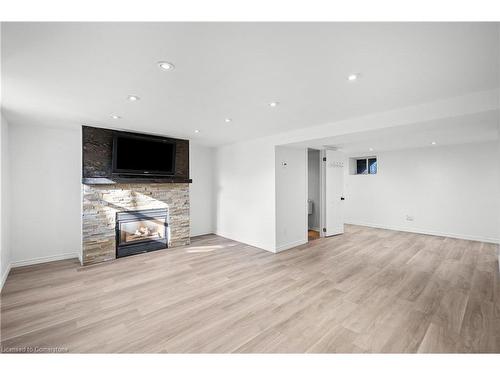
point(133, 98)
point(115, 117)
point(433, 143)
point(352, 77)
point(227, 119)
point(165, 65)
point(370, 149)
point(274, 104)
point(196, 131)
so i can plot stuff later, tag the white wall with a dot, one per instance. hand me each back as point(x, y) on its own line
point(245, 178)
point(313, 189)
point(46, 193)
point(45, 199)
point(5, 249)
point(448, 190)
point(291, 193)
point(201, 192)
point(245, 194)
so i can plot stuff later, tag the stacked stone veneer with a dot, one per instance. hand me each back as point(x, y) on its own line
point(102, 202)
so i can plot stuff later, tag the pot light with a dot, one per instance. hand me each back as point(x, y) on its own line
point(196, 131)
point(115, 117)
point(165, 65)
point(433, 143)
point(352, 77)
point(227, 119)
point(370, 149)
point(274, 104)
point(133, 98)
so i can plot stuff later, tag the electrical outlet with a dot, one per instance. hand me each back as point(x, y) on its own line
point(409, 218)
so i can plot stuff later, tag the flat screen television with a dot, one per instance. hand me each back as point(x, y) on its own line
point(143, 155)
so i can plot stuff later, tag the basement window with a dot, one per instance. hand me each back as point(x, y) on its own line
point(361, 166)
point(372, 166)
point(366, 165)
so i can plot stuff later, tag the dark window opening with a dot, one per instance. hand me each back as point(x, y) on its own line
point(366, 165)
point(361, 166)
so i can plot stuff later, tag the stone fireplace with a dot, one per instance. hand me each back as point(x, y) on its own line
point(104, 204)
point(141, 231)
point(125, 214)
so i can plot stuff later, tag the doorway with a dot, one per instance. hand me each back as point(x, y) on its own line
point(332, 192)
point(313, 192)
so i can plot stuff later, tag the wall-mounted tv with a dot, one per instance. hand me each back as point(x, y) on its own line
point(143, 155)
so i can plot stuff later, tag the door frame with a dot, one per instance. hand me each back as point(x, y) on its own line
point(322, 189)
point(323, 200)
point(322, 192)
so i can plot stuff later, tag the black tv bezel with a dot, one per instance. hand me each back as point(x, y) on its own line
point(141, 172)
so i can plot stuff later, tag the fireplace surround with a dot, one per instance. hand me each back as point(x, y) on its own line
point(102, 203)
point(108, 197)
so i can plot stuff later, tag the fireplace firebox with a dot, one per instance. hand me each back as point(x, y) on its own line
point(141, 231)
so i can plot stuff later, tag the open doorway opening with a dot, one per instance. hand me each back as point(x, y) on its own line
point(313, 192)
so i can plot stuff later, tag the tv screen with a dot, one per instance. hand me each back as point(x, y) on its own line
point(139, 155)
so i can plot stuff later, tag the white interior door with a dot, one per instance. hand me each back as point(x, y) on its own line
point(334, 192)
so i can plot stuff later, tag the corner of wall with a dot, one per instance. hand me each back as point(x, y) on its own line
point(201, 190)
point(244, 196)
point(5, 249)
point(5, 275)
point(291, 185)
point(498, 163)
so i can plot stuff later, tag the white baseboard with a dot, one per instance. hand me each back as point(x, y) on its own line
point(5, 275)
point(200, 234)
point(234, 238)
point(290, 245)
point(428, 232)
point(51, 258)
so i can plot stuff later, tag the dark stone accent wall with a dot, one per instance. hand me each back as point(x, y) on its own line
point(97, 146)
point(97, 150)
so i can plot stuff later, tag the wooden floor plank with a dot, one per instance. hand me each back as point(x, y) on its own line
point(369, 290)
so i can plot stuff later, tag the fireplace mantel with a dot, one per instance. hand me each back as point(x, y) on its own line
point(120, 180)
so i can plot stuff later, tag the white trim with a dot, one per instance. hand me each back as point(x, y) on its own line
point(290, 245)
point(4, 276)
point(233, 238)
point(82, 187)
point(322, 192)
point(200, 234)
point(306, 198)
point(50, 258)
point(498, 257)
point(428, 232)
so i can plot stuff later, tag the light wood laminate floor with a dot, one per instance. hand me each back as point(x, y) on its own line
point(369, 290)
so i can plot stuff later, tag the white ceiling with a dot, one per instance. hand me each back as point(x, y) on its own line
point(69, 74)
point(478, 127)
